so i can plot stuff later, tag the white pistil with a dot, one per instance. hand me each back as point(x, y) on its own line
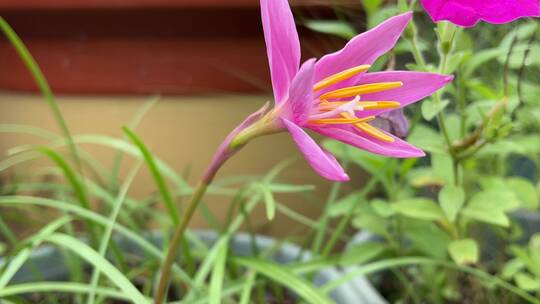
point(349, 107)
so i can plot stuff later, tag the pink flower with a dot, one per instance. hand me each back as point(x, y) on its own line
point(468, 12)
point(335, 96)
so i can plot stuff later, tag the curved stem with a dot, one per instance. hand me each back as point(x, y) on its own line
point(252, 125)
point(175, 241)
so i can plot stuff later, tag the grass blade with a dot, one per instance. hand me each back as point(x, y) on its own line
point(109, 228)
point(77, 186)
point(99, 262)
point(280, 274)
point(218, 274)
point(156, 174)
point(65, 287)
point(18, 261)
point(97, 218)
point(42, 84)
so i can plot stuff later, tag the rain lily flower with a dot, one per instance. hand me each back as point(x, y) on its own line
point(467, 13)
point(335, 96)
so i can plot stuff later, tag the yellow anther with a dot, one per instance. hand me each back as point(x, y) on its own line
point(328, 81)
point(337, 121)
point(366, 105)
point(362, 89)
point(379, 105)
point(369, 129)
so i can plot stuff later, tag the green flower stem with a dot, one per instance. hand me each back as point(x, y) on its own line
point(175, 241)
point(343, 223)
point(419, 58)
point(255, 125)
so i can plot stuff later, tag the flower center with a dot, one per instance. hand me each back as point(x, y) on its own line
point(331, 109)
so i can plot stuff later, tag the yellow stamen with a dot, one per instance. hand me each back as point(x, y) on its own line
point(339, 121)
point(379, 105)
point(366, 105)
point(362, 89)
point(371, 130)
point(328, 81)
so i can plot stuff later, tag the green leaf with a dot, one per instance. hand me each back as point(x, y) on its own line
point(451, 199)
point(419, 208)
point(376, 165)
point(484, 214)
point(426, 237)
point(107, 234)
point(344, 205)
point(370, 222)
point(60, 287)
point(382, 208)
point(147, 246)
point(491, 205)
point(431, 108)
point(361, 253)
point(333, 27)
point(464, 251)
point(269, 201)
point(22, 256)
point(285, 277)
point(511, 268)
point(427, 139)
point(104, 266)
point(43, 86)
point(423, 177)
point(527, 282)
point(371, 5)
point(156, 174)
point(534, 253)
point(443, 166)
point(218, 275)
point(525, 192)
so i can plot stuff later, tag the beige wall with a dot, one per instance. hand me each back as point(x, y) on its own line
point(182, 131)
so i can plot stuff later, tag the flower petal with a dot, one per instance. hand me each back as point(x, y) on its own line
point(416, 86)
point(364, 48)
point(346, 134)
point(300, 99)
point(468, 12)
point(282, 45)
point(321, 161)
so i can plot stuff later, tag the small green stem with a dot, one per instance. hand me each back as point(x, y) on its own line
point(346, 219)
point(321, 229)
point(175, 241)
point(417, 54)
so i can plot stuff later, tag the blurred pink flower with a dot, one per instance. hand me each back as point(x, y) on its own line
point(468, 12)
point(335, 96)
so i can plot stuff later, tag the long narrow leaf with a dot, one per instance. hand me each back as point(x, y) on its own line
point(280, 274)
point(64, 287)
point(99, 262)
point(18, 261)
point(42, 84)
point(109, 229)
point(158, 178)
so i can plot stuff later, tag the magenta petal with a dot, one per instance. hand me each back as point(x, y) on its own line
point(300, 99)
point(282, 45)
point(321, 161)
point(468, 12)
point(416, 86)
point(346, 134)
point(364, 48)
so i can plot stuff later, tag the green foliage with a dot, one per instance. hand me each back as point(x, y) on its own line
point(483, 163)
point(464, 251)
point(442, 225)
